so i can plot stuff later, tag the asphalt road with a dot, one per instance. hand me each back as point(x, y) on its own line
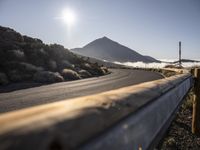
point(65, 90)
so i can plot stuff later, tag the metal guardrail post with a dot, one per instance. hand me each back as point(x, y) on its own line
point(196, 103)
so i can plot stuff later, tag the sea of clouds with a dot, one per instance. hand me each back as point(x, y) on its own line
point(157, 65)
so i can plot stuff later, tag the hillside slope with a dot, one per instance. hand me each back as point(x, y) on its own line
point(23, 58)
point(106, 49)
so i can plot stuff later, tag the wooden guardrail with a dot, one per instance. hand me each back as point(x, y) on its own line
point(196, 102)
point(128, 118)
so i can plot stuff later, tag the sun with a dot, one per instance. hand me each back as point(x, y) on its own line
point(68, 16)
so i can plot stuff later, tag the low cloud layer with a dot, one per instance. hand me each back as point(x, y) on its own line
point(156, 65)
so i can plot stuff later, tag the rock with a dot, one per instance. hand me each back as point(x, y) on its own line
point(84, 74)
point(69, 74)
point(47, 77)
point(3, 79)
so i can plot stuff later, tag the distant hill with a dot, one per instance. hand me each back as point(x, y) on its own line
point(106, 49)
point(182, 61)
point(152, 59)
point(187, 61)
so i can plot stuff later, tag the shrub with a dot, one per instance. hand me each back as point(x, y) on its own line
point(97, 71)
point(29, 68)
point(173, 66)
point(2, 56)
point(3, 79)
point(31, 40)
point(56, 52)
point(17, 76)
point(47, 77)
point(10, 35)
point(170, 142)
point(105, 70)
point(7, 45)
point(66, 64)
point(84, 74)
point(15, 55)
point(168, 73)
point(188, 103)
point(86, 66)
point(38, 57)
point(69, 74)
point(52, 65)
point(22, 67)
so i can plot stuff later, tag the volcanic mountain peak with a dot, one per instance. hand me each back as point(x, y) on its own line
point(107, 49)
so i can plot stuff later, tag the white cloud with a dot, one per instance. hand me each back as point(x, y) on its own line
point(155, 65)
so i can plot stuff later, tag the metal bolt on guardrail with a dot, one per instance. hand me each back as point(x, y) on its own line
point(196, 102)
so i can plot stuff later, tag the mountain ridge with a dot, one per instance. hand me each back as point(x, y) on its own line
point(106, 49)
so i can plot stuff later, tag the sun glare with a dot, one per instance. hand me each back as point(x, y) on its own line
point(69, 17)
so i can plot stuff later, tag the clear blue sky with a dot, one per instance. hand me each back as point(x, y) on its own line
point(151, 27)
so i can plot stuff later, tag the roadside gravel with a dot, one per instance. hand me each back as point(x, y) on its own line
point(179, 135)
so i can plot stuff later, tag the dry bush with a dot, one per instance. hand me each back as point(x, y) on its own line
point(3, 79)
point(10, 35)
point(22, 67)
point(18, 76)
point(31, 40)
point(188, 103)
point(52, 65)
point(56, 52)
point(84, 73)
point(105, 70)
point(66, 64)
point(69, 74)
point(47, 77)
point(15, 55)
point(37, 56)
point(21, 71)
point(29, 68)
point(22, 57)
point(86, 66)
point(97, 71)
point(168, 73)
point(173, 66)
